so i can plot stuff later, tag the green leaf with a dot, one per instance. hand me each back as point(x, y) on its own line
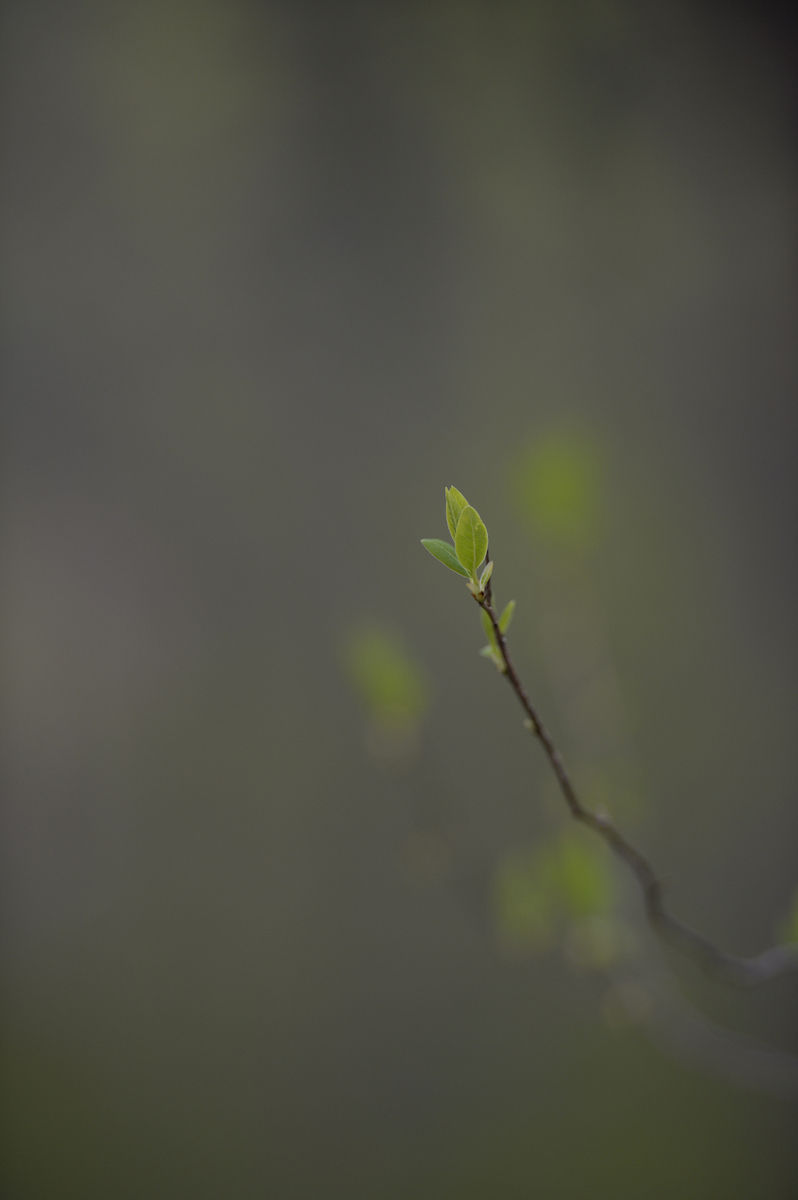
point(485, 578)
point(487, 625)
point(455, 503)
point(444, 553)
point(507, 616)
point(471, 539)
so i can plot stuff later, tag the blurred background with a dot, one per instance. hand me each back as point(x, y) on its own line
point(291, 905)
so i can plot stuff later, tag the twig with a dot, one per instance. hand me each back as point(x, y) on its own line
point(742, 971)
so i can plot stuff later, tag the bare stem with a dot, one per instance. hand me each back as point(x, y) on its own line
point(744, 971)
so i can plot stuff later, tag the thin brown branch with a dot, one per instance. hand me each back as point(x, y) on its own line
point(743, 971)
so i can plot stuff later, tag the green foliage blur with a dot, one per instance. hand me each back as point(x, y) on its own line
point(537, 892)
point(392, 688)
point(557, 488)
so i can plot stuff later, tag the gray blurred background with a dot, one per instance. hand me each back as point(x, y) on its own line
point(280, 911)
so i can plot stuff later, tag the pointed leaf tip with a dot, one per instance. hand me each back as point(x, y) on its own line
point(455, 503)
point(507, 616)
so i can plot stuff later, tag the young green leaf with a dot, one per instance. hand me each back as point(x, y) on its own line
point(455, 503)
point(485, 578)
point(444, 553)
point(471, 539)
point(487, 625)
point(507, 616)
